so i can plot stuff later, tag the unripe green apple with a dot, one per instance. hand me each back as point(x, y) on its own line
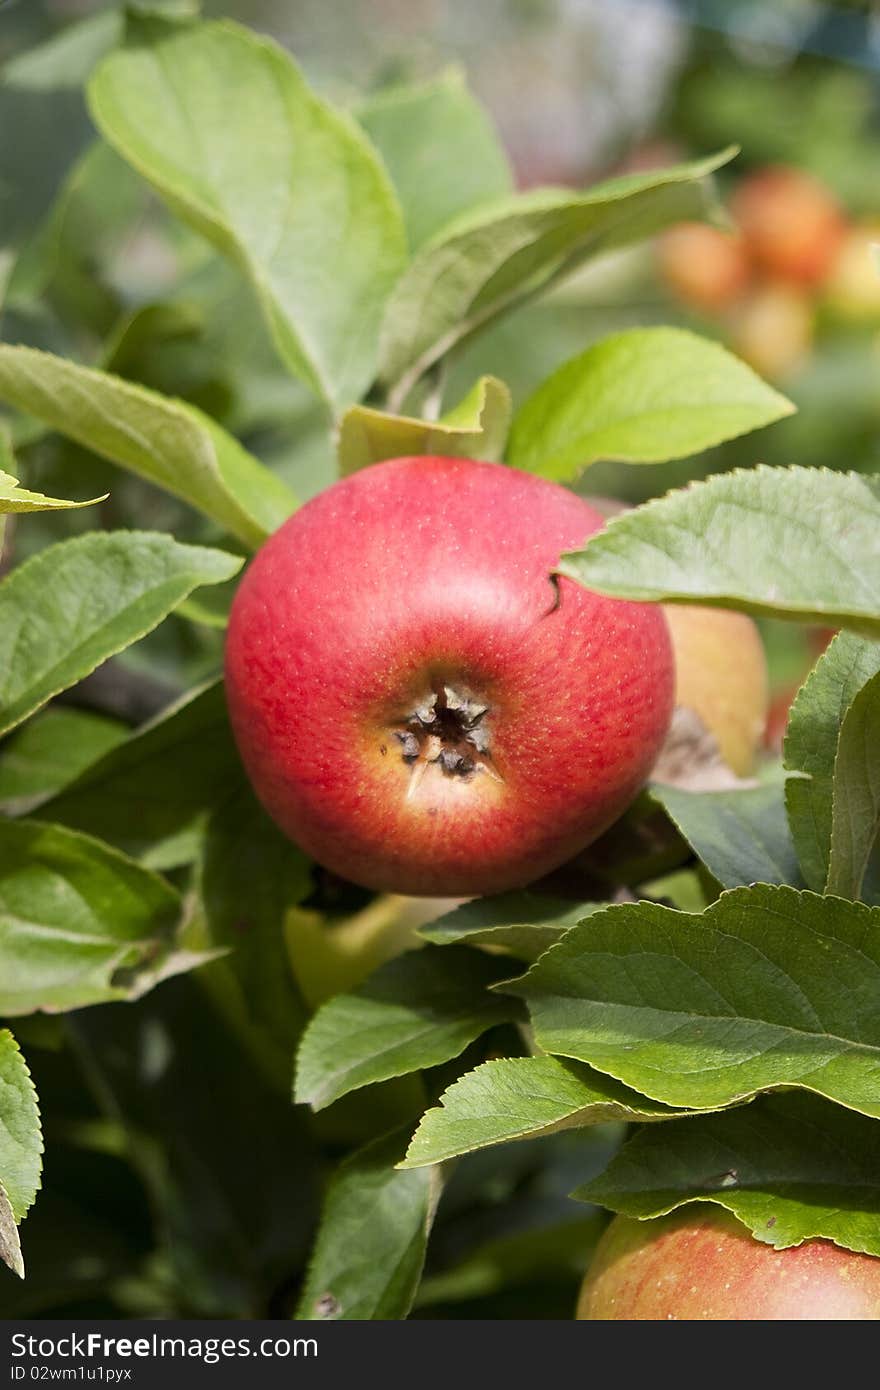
point(700, 1264)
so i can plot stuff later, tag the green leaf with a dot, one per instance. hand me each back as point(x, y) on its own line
point(229, 1162)
point(524, 923)
point(371, 1243)
point(67, 58)
point(10, 1245)
point(491, 258)
point(417, 1011)
point(21, 1148)
point(71, 606)
point(250, 876)
point(644, 396)
point(856, 806)
point(741, 836)
point(149, 795)
point(290, 189)
point(768, 987)
point(440, 149)
point(70, 263)
point(476, 428)
point(210, 607)
point(811, 742)
point(79, 923)
point(21, 1143)
point(165, 441)
point(813, 551)
point(15, 498)
point(50, 751)
point(791, 1167)
point(521, 1098)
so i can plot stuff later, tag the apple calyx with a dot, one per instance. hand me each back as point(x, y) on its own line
point(448, 730)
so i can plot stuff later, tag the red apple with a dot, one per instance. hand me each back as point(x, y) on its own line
point(700, 1264)
point(792, 224)
point(705, 267)
point(417, 704)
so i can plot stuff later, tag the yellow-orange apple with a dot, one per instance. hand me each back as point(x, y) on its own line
point(721, 674)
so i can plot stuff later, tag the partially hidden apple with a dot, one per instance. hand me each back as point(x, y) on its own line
point(720, 670)
point(773, 328)
point(418, 703)
point(721, 674)
point(852, 289)
point(701, 1265)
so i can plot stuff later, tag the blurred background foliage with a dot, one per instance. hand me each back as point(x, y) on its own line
point(93, 267)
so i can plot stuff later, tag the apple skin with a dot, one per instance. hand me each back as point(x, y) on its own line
point(414, 575)
point(703, 1265)
point(705, 267)
point(721, 674)
point(791, 222)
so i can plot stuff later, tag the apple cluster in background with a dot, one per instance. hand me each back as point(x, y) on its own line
point(790, 255)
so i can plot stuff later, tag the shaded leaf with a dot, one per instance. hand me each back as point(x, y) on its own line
point(21, 1142)
point(490, 258)
point(768, 987)
point(68, 56)
point(210, 607)
point(70, 263)
point(643, 396)
point(370, 1249)
point(524, 923)
point(250, 876)
point(741, 836)
point(521, 1098)
point(476, 428)
point(70, 607)
point(791, 1167)
point(856, 802)
point(291, 189)
point(416, 1011)
point(440, 149)
point(10, 1245)
point(149, 795)
point(79, 923)
point(813, 550)
point(49, 751)
point(230, 1163)
point(811, 742)
point(163, 440)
